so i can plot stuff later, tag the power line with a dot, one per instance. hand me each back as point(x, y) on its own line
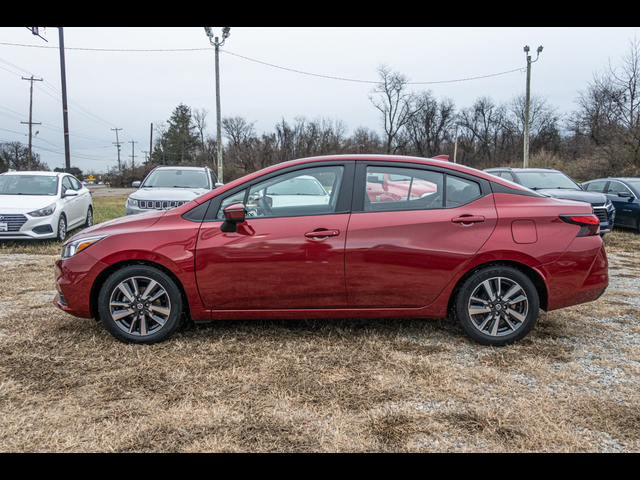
point(267, 64)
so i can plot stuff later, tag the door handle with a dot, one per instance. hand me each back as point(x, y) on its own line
point(322, 234)
point(468, 220)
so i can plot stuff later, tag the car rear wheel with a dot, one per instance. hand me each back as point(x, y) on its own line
point(498, 306)
point(141, 305)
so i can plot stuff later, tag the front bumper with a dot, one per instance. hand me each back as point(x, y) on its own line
point(75, 278)
point(24, 227)
point(607, 218)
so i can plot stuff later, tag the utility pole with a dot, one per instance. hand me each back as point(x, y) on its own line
point(65, 106)
point(30, 123)
point(117, 144)
point(151, 147)
point(133, 154)
point(527, 111)
point(226, 33)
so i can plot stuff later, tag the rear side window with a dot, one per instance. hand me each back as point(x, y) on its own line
point(461, 191)
point(398, 189)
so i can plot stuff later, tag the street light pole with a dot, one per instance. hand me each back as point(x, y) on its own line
point(527, 110)
point(215, 41)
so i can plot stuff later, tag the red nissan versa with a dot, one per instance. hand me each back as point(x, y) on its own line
point(487, 251)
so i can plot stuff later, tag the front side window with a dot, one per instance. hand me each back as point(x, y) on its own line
point(66, 184)
point(616, 188)
point(308, 192)
point(237, 198)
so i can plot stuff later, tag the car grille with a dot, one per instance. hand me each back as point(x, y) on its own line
point(163, 205)
point(15, 222)
point(602, 214)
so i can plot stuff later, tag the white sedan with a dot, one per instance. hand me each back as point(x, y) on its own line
point(42, 205)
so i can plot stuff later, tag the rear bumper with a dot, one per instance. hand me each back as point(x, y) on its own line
point(580, 276)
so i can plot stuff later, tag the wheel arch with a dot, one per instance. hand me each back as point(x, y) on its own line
point(109, 271)
point(531, 273)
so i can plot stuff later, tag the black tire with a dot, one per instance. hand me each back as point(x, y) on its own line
point(507, 305)
point(89, 221)
point(141, 305)
point(62, 229)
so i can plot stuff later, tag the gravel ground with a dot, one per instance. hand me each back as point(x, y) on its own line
point(66, 385)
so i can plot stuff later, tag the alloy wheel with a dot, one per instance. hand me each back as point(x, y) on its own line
point(140, 306)
point(499, 307)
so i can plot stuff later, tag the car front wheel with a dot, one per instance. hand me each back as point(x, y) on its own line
point(62, 229)
point(498, 306)
point(141, 305)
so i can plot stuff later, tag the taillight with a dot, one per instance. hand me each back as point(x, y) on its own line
point(590, 224)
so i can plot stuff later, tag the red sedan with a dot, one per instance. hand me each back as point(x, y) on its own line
point(474, 247)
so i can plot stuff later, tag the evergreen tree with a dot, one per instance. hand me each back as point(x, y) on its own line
point(179, 144)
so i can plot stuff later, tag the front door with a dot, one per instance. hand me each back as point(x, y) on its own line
point(289, 254)
point(626, 207)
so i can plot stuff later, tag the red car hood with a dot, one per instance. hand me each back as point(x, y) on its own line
point(122, 225)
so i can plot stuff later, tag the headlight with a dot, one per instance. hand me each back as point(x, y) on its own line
point(45, 212)
point(73, 248)
point(132, 202)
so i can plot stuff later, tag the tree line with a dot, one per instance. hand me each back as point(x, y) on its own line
point(600, 137)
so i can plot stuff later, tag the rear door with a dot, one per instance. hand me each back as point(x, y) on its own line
point(403, 253)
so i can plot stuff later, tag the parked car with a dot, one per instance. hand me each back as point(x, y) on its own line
point(487, 251)
point(556, 184)
point(42, 206)
point(298, 191)
point(625, 195)
point(166, 188)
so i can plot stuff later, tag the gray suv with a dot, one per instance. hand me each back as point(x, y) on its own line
point(167, 188)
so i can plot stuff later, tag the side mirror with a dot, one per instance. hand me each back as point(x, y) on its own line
point(70, 193)
point(234, 215)
point(218, 185)
point(136, 184)
point(375, 179)
point(625, 195)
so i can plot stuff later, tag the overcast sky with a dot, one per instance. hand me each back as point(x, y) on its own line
point(132, 89)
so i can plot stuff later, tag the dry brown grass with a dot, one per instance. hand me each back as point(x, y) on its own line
point(334, 386)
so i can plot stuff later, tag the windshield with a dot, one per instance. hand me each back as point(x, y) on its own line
point(298, 186)
point(547, 181)
point(29, 185)
point(177, 179)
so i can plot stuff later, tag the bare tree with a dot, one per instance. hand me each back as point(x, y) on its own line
point(430, 130)
point(609, 112)
point(396, 104)
point(200, 121)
